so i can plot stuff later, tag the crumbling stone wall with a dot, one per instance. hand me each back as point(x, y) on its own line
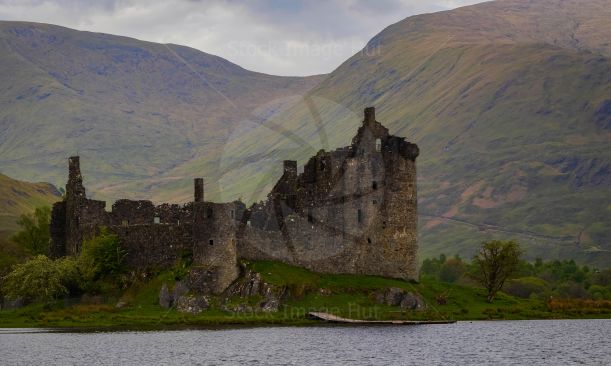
point(129, 212)
point(174, 214)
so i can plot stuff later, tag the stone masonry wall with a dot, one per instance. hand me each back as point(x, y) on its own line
point(154, 246)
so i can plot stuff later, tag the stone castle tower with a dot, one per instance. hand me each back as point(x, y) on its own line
point(352, 210)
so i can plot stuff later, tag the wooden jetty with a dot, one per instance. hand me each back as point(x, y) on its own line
point(330, 318)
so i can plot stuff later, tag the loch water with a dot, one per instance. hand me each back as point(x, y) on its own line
point(539, 342)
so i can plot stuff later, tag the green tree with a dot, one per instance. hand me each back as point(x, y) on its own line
point(494, 264)
point(34, 235)
point(525, 286)
point(431, 267)
point(40, 279)
point(452, 270)
point(602, 278)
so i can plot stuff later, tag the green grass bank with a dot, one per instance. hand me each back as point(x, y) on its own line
point(351, 296)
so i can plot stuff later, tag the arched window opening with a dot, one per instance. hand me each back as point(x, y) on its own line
point(211, 242)
point(360, 216)
point(378, 145)
point(374, 185)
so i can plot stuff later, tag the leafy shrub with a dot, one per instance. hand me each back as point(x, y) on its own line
point(572, 290)
point(40, 279)
point(71, 276)
point(183, 266)
point(525, 286)
point(598, 292)
point(101, 257)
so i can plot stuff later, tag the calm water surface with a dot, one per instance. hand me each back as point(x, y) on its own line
point(564, 342)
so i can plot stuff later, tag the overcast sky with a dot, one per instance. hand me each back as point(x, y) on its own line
point(280, 37)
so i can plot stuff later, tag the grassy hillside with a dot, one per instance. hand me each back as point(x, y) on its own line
point(133, 110)
point(17, 197)
point(510, 103)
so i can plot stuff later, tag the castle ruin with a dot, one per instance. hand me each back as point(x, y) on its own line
point(352, 210)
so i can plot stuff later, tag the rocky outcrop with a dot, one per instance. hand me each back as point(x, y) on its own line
point(165, 300)
point(180, 289)
point(179, 298)
point(193, 304)
point(395, 296)
point(412, 302)
point(251, 285)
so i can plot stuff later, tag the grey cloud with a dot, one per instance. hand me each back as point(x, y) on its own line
point(299, 37)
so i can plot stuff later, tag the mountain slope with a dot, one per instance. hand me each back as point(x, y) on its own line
point(510, 103)
point(133, 110)
point(18, 197)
